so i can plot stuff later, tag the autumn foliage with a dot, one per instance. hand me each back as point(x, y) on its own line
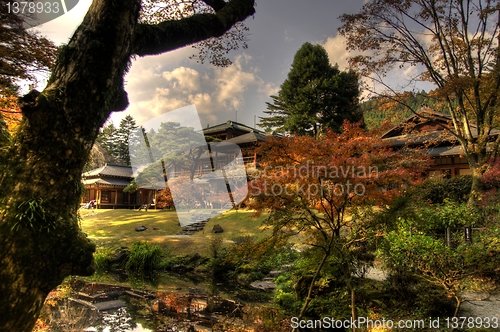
point(323, 189)
point(10, 112)
point(333, 173)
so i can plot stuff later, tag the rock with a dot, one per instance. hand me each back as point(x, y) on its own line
point(217, 229)
point(274, 273)
point(194, 258)
point(263, 285)
point(179, 268)
point(140, 228)
point(120, 256)
point(108, 305)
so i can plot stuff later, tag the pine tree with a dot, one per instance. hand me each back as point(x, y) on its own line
point(115, 141)
point(314, 97)
point(108, 140)
point(127, 127)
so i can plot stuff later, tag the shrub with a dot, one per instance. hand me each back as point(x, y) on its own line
point(102, 258)
point(437, 191)
point(285, 300)
point(144, 257)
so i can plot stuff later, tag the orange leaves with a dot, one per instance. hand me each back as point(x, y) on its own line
point(10, 112)
point(333, 174)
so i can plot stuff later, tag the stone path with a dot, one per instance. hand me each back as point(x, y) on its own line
point(481, 305)
point(197, 223)
point(473, 305)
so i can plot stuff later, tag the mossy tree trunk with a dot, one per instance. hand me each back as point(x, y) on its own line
point(478, 163)
point(40, 168)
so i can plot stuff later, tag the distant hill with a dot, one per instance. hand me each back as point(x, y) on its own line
point(378, 110)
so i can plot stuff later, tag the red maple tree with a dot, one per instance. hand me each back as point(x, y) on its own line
point(322, 189)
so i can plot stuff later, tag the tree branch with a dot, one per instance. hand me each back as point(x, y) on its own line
point(169, 35)
point(215, 4)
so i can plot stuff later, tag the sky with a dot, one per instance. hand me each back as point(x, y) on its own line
point(158, 84)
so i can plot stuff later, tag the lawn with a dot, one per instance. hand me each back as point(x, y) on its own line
point(116, 228)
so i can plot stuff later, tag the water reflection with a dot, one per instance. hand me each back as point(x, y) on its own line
point(117, 321)
point(109, 308)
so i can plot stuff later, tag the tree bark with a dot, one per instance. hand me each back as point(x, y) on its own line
point(322, 263)
point(353, 303)
point(475, 192)
point(40, 239)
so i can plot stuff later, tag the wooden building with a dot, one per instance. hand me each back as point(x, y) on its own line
point(245, 137)
point(105, 185)
point(427, 130)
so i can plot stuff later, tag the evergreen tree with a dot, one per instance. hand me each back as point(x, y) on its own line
point(127, 127)
point(114, 141)
point(108, 140)
point(314, 97)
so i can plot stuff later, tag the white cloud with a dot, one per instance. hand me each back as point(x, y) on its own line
point(216, 92)
point(183, 78)
point(232, 81)
point(337, 53)
point(268, 89)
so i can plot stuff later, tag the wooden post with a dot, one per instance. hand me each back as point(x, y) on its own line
point(98, 197)
point(448, 236)
point(468, 234)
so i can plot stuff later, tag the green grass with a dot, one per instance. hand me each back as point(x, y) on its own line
point(116, 228)
point(235, 224)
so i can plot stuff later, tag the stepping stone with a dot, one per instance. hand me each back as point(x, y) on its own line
point(217, 229)
point(263, 285)
point(140, 228)
point(109, 305)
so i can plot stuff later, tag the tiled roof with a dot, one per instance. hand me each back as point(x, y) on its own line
point(110, 170)
point(419, 117)
point(229, 125)
point(397, 132)
point(443, 151)
point(248, 138)
point(107, 182)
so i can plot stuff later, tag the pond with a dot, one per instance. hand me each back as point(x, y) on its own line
point(176, 305)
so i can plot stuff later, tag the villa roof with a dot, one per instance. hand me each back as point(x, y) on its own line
point(248, 138)
point(443, 151)
point(107, 182)
point(229, 125)
point(424, 116)
point(110, 170)
point(427, 126)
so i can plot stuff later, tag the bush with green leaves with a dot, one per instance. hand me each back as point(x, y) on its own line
point(144, 258)
point(102, 258)
point(415, 247)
